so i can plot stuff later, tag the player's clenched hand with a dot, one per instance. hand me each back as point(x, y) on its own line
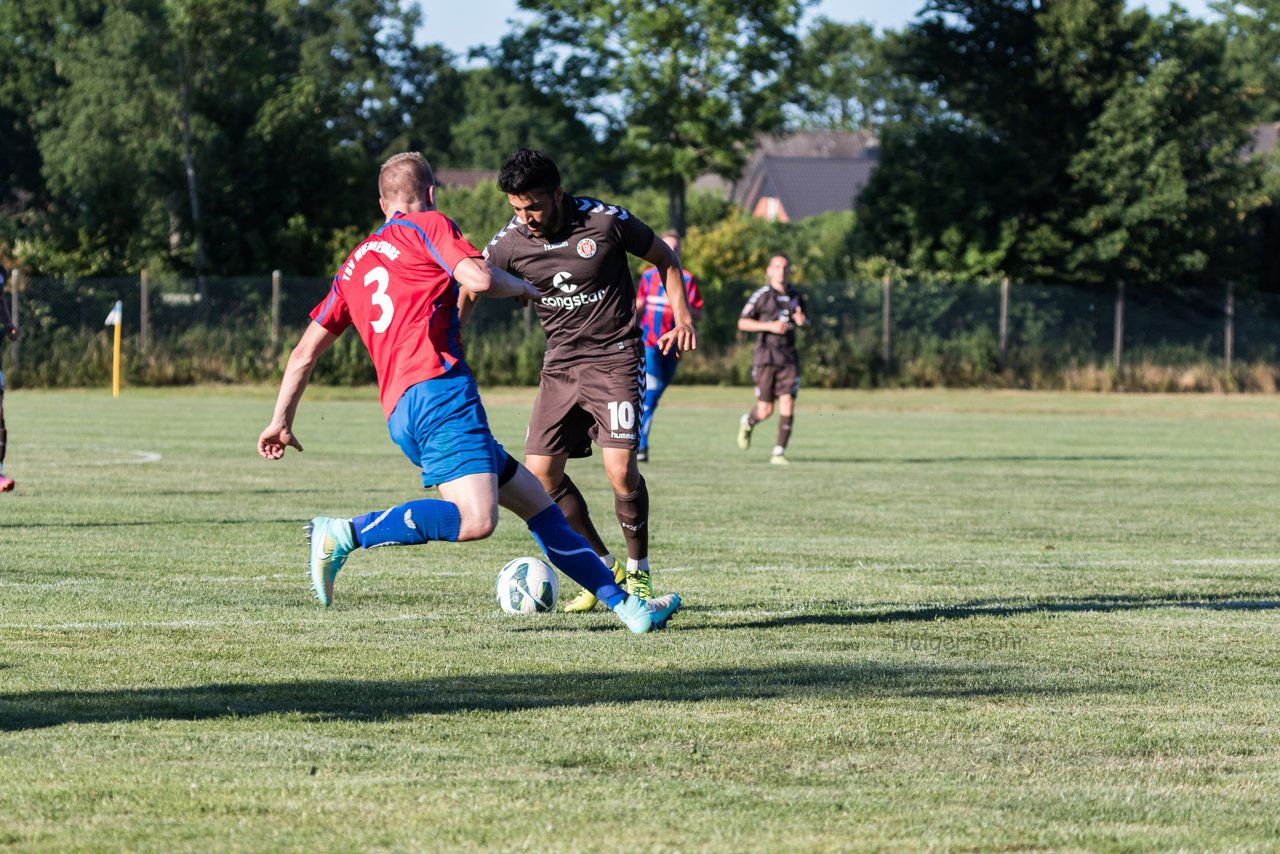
point(682, 336)
point(274, 440)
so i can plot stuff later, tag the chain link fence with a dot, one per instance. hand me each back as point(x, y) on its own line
point(863, 334)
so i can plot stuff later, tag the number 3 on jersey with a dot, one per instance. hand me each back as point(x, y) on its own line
point(380, 299)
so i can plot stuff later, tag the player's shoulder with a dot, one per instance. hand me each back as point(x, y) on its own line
point(428, 221)
point(588, 206)
point(758, 293)
point(505, 235)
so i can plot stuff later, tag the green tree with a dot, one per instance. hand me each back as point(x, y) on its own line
point(1029, 153)
point(1166, 188)
point(840, 76)
point(503, 112)
point(1253, 50)
point(35, 34)
point(154, 146)
point(684, 84)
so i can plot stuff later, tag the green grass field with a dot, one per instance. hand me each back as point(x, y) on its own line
point(957, 621)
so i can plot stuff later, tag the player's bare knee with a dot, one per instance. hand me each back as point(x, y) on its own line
point(476, 525)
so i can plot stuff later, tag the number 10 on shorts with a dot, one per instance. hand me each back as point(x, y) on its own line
point(622, 415)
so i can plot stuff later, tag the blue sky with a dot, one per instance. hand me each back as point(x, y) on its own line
point(462, 24)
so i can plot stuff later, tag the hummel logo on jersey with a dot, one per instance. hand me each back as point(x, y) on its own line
point(562, 282)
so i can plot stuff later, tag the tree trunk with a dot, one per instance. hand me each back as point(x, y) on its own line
point(197, 227)
point(675, 204)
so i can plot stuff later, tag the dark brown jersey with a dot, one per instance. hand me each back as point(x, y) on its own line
point(588, 301)
point(769, 305)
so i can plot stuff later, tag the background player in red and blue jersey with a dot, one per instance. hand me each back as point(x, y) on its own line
point(656, 320)
point(399, 288)
point(7, 330)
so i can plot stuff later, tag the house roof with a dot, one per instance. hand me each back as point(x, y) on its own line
point(806, 186)
point(809, 172)
point(1264, 139)
point(467, 179)
point(817, 143)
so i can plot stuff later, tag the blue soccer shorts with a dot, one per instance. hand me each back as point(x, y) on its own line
point(442, 428)
point(659, 369)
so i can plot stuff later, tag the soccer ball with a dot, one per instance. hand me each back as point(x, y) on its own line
point(526, 585)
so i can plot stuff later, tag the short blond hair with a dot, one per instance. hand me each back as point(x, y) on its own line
point(405, 176)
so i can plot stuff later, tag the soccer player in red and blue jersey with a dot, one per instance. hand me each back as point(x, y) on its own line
point(656, 320)
point(7, 330)
point(399, 289)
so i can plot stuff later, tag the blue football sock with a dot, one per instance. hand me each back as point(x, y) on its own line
point(650, 403)
point(572, 556)
point(408, 524)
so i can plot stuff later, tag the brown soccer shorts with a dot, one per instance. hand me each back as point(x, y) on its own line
point(773, 381)
point(596, 400)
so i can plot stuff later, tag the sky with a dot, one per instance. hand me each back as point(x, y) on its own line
point(460, 26)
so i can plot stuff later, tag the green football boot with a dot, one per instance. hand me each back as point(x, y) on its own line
point(331, 541)
point(650, 615)
point(586, 600)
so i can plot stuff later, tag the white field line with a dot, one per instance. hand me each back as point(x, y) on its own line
point(120, 456)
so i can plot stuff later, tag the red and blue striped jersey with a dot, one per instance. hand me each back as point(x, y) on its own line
point(397, 289)
point(656, 319)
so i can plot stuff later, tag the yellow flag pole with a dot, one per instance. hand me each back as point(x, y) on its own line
point(115, 364)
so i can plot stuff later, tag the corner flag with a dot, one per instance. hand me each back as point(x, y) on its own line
point(114, 319)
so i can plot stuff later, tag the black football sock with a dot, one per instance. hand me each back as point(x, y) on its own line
point(784, 430)
point(633, 516)
point(574, 506)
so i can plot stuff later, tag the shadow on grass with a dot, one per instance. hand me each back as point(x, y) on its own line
point(1239, 601)
point(383, 700)
point(152, 523)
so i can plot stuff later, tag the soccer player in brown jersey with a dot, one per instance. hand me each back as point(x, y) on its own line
point(774, 312)
point(574, 250)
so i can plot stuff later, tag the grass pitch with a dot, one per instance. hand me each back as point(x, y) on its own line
point(957, 621)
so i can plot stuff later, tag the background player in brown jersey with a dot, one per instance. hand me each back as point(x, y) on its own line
point(774, 312)
point(574, 250)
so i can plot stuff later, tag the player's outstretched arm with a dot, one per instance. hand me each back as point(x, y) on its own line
point(279, 433)
point(485, 279)
point(682, 336)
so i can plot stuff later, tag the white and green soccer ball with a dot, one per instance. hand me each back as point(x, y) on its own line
point(526, 585)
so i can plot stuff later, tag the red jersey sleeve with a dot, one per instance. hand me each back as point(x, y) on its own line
point(692, 291)
point(332, 312)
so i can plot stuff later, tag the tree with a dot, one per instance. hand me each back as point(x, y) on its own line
point(1033, 156)
point(1253, 50)
point(839, 77)
point(1166, 188)
point(502, 113)
point(154, 147)
point(35, 34)
point(686, 85)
